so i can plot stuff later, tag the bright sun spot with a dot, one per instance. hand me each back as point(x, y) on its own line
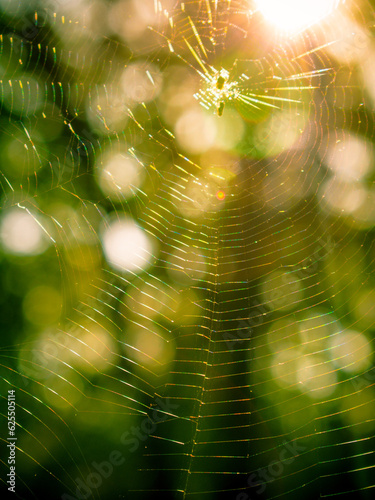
point(294, 15)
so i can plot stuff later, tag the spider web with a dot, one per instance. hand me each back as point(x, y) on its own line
point(234, 358)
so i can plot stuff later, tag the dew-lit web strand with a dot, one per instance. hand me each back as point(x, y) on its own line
point(247, 98)
point(70, 367)
point(146, 406)
point(68, 123)
point(185, 469)
point(132, 361)
point(96, 386)
point(87, 380)
point(200, 401)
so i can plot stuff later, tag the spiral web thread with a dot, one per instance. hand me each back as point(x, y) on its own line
point(253, 277)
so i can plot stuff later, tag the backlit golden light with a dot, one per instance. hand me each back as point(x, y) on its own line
point(295, 15)
point(187, 249)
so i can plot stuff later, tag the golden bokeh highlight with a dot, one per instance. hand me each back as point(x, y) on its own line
point(316, 328)
point(148, 348)
point(317, 376)
point(285, 366)
point(150, 299)
point(119, 175)
point(351, 351)
point(282, 334)
point(89, 348)
point(22, 232)
point(127, 247)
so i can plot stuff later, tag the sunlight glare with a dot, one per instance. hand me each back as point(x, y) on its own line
point(294, 15)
